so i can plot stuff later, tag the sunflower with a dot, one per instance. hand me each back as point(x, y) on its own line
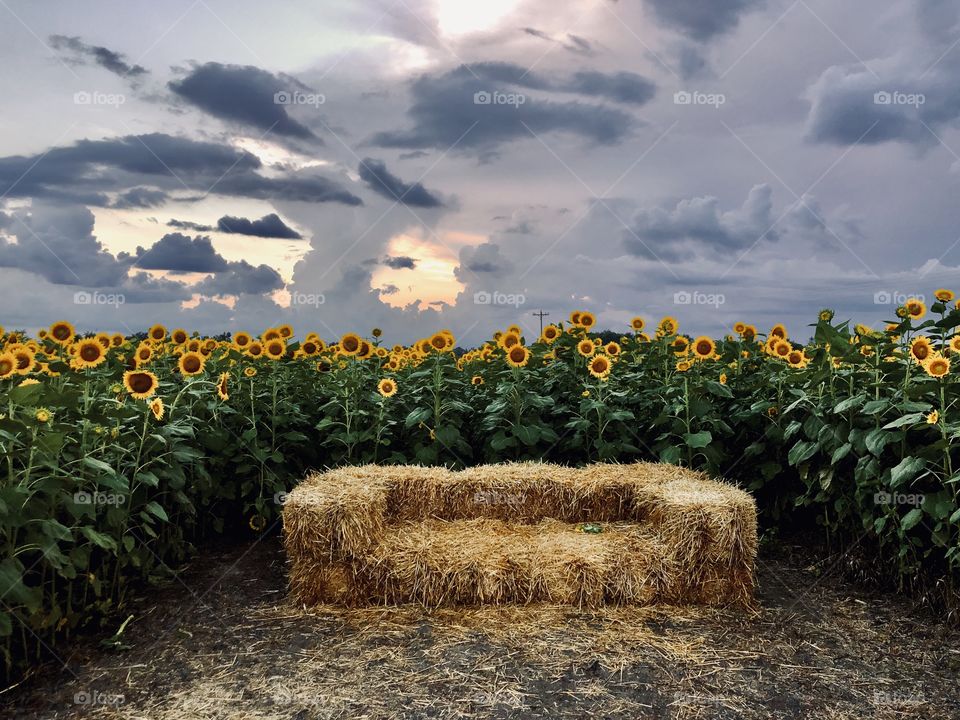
point(271, 334)
point(683, 365)
point(387, 387)
point(350, 344)
point(62, 332)
point(242, 340)
point(933, 418)
point(779, 331)
point(89, 353)
point(179, 336)
point(476, 380)
point(191, 363)
point(222, 386)
point(575, 317)
point(586, 347)
point(157, 333)
point(782, 348)
point(680, 345)
point(257, 523)
point(286, 331)
point(376, 332)
point(509, 339)
point(703, 347)
point(275, 349)
point(250, 372)
point(26, 360)
point(141, 384)
point(519, 356)
point(944, 295)
point(749, 333)
point(915, 308)
point(612, 348)
point(825, 315)
point(599, 366)
point(587, 320)
point(365, 351)
point(116, 340)
point(43, 415)
point(955, 344)
point(156, 407)
point(637, 323)
point(194, 345)
point(723, 378)
point(921, 349)
point(143, 354)
point(438, 342)
point(667, 326)
point(795, 358)
point(739, 328)
point(550, 333)
point(937, 366)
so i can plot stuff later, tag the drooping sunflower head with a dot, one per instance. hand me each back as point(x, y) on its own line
point(350, 344)
point(944, 295)
point(599, 366)
point(157, 333)
point(667, 326)
point(680, 345)
point(271, 334)
point(104, 339)
point(62, 332)
point(587, 320)
point(575, 317)
point(637, 323)
point(933, 418)
point(141, 384)
point(586, 347)
point(191, 363)
point(387, 387)
point(286, 331)
point(915, 308)
point(749, 333)
point(704, 347)
point(518, 356)
point(779, 331)
point(222, 386)
point(365, 351)
point(937, 366)
point(90, 353)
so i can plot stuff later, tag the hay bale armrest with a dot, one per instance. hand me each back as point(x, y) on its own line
point(516, 533)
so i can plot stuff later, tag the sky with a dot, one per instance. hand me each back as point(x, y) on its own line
point(225, 165)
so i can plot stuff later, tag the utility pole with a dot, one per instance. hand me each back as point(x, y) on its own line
point(541, 314)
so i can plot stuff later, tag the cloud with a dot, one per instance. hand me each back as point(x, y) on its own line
point(57, 243)
point(400, 262)
point(375, 174)
point(448, 109)
point(188, 225)
point(571, 43)
point(81, 53)
point(140, 197)
point(484, 259)
point(700, 20)
point(89, 169)
point(269, 226)
point(698, 225)
point(247, 95)
point(242, 278)
point(181, 253)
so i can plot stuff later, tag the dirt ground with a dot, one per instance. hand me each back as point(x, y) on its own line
point(223, 642)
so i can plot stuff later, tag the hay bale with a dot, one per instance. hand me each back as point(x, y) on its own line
point(512, 533)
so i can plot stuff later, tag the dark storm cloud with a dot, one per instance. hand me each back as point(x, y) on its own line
point(701, 20)
point(188, 225)
point(181, 253)
point(57, 243)
point(698, 225)
point(85, 171)
point(400, 262)
point(140, 197)
point(449, 108)
point(484, 258)
point(244, 94)
point(269, 226)
point(242, 278)
point(80, 52)
point(572, 43)
point(375, 174)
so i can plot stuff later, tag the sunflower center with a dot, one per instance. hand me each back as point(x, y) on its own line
point(141, 383)
point(90, 352)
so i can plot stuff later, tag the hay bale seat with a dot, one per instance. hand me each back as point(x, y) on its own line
point(519, 533)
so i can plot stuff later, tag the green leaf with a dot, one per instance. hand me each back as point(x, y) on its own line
point(154, 508)
point(904, 420)
point(876, 440)
point(840, 453)
point(911, 518)
point(698, 439)
point(801, 452)
point(905, 470)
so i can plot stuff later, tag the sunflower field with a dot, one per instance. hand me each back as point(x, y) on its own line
point(120, 454)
